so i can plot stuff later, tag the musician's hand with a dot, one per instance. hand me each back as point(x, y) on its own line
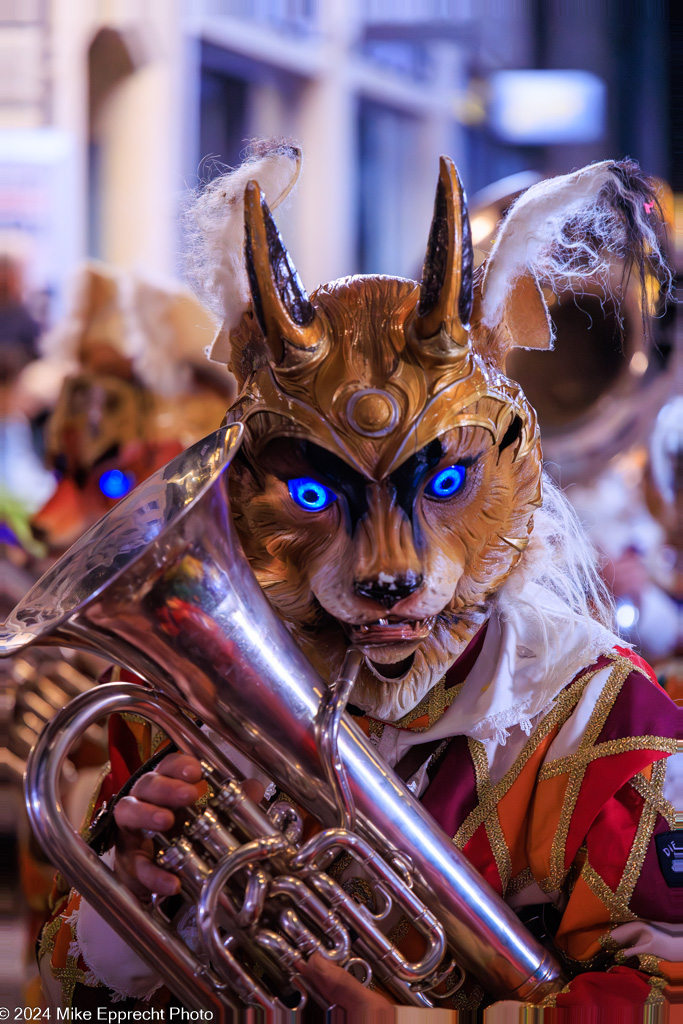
point(336, 987)
point(151, 806)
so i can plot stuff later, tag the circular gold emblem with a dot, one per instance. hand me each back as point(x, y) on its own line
point(372, 412)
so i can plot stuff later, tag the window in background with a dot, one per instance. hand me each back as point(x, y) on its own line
point(408, 59)
point(387, 240)
point(223, 122)
point(489, 159)
point(293, 16)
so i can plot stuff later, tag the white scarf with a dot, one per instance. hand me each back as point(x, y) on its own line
point(525, 661)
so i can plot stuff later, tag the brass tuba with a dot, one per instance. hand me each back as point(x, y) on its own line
point(161, 586)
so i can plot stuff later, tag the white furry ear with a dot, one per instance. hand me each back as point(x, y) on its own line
point(573, 228)
point(216, 263)
point(526, 315)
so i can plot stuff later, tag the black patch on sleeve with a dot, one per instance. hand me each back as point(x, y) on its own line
point(670, 856)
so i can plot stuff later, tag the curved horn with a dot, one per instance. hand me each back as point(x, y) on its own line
point(282, 307)
point(446, 286)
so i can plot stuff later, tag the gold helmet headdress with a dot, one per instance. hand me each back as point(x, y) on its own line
point(373, 369)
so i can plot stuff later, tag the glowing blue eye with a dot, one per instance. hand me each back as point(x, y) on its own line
point(115, 484)
point(446, 483)
point(309, 494)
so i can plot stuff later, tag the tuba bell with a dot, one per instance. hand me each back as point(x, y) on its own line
point(598, 391)
point(161, 586)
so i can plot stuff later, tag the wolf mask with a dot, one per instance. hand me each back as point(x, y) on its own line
point(390, 472)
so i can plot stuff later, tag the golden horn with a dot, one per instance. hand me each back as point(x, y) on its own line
point(446, 288)
point(282, 307)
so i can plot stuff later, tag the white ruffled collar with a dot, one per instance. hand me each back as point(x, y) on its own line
point(525, 661)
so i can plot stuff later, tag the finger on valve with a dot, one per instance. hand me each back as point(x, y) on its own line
point(151, 806)
point(337, 987)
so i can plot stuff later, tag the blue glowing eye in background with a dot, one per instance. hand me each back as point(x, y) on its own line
point(309, 494)
point(115, 484)
point(446, 483)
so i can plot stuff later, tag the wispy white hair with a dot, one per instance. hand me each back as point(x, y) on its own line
point(562, 561)
point(214, 220)
point(572, 228)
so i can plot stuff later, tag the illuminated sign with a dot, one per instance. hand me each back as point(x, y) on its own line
point(547, 107)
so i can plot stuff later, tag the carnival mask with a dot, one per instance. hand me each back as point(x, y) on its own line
point(387, 484)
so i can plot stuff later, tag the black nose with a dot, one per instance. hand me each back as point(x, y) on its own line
point(389, 590)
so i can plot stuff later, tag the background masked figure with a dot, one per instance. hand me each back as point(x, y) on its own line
point(610, 428)
point(389, 495)
point(135, 392)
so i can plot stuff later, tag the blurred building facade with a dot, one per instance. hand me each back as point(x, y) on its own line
point(111, 109)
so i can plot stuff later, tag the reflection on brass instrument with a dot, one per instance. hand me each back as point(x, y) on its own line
point(162, 586)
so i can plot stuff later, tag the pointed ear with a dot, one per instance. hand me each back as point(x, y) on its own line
point(526, 316)
point(241, 348)
point(524, 321)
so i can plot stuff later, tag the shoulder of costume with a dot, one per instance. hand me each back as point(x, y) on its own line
point(642, 706)
point(630, 702)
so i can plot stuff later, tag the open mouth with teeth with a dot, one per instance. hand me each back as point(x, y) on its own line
point(389, 630)
point(389, 644)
